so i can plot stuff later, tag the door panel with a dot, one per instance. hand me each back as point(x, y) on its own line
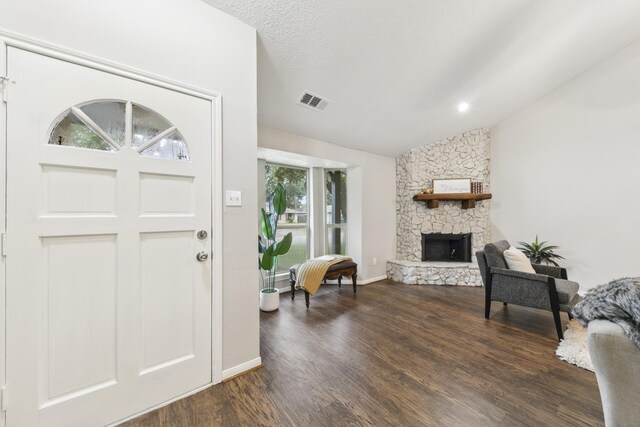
point(108, 310)
point(166, 194)
point(78, 355)
point(167, 298)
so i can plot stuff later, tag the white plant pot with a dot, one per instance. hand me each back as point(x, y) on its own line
point(269, 301)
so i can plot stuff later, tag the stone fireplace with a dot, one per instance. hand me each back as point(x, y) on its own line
point(466, 155)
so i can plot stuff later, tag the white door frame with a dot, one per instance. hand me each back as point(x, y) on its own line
point(11, 39)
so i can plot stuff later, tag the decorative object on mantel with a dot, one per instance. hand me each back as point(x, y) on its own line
point(468, 199)
point(451, 186)
point(574, 347)
point(538, 253)
point(477, 187)
point(426, 191)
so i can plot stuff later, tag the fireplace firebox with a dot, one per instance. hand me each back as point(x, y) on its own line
point(446, 247)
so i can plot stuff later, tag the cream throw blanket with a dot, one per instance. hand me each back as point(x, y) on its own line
point(310, 273)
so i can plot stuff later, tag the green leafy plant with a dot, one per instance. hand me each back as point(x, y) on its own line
point(268, 246)
point(539, 252)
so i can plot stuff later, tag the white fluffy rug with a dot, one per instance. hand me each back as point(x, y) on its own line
point(574, 348)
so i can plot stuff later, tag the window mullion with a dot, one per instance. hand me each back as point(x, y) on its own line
point(128, 125)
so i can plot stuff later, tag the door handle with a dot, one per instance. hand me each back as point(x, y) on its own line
point(202, 256)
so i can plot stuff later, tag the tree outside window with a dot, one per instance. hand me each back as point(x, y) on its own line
point(295, 218)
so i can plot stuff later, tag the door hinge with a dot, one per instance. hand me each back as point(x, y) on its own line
point(4, 87)
point(3, 243)
point(3, 399)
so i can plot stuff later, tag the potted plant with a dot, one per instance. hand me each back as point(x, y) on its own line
point(539, 252)
point(271, 249)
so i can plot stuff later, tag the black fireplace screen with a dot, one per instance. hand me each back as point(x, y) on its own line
point(446, 247)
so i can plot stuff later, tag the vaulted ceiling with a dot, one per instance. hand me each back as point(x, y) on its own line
point(395, 71)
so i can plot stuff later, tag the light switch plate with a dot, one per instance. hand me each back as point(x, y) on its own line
point(233, 198)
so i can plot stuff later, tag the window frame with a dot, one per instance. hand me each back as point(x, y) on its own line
point(326, 226)
point(309, 213)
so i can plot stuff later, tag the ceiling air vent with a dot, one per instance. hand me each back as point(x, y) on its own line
point(313, 101)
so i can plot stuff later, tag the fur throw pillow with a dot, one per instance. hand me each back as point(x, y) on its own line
point(618, 302)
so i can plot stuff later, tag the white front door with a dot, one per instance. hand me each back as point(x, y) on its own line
point(108, 185)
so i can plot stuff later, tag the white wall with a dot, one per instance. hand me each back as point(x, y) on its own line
point(567, 167)
point(187, 41)
point(371, 192)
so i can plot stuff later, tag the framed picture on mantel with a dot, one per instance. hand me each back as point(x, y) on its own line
point(451, 186)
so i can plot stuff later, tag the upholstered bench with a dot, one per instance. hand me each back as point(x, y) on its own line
point(336, 271)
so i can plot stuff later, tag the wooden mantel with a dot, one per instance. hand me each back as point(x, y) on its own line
point(468, 199)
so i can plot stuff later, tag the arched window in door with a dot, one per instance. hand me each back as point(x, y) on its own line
point(112, 125)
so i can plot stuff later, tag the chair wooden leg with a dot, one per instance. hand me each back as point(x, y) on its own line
point(340, 281)
point(570, 316)
point(556, 319)
point(555, 306)
point(306, 298)
point(354, 279)
point(487, 297)
point(293, 289)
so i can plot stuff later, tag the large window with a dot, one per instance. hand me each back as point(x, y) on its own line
point(296, 217)
point(336, 211)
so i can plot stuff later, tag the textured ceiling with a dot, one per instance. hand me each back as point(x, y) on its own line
point(396, 70)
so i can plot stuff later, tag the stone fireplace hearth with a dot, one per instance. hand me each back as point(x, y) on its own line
point(467, 156)
point(434, 273)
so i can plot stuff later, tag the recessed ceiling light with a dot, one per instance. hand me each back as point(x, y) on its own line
point(463, 106)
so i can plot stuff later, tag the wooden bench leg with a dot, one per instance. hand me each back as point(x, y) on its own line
point(354, 278)
point(293, 289)
point(306, 298)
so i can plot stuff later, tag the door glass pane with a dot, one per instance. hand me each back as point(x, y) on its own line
point(146, 125)
point(171, 147)
point(109, 116)
point(74, 133)
point(295, 218)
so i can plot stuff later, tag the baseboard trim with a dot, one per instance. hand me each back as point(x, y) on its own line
point(239, 369)
point(373, 279)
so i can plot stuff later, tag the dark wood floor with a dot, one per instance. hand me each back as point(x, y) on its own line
point(398, 355)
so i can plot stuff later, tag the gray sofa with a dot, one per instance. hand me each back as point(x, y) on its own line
point(617, 363)
point(548, 289)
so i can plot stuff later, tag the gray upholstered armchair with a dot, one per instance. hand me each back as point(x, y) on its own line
point(548, 289)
